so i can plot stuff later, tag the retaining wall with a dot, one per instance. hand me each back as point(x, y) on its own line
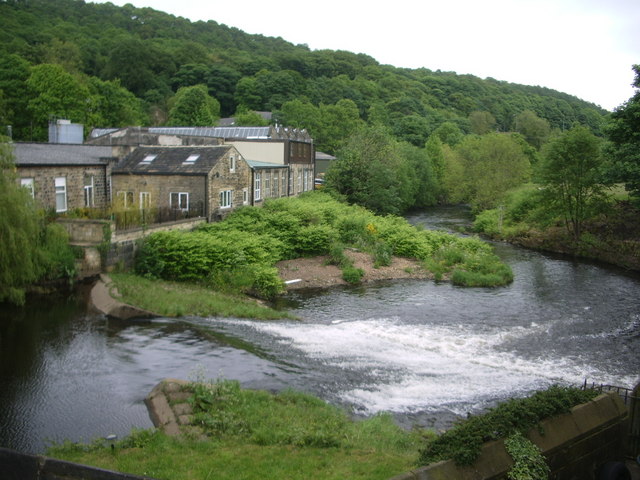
point(575, 445)
point(20, 466)
point(91, 235)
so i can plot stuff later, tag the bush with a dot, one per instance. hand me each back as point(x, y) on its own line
point(352, 274)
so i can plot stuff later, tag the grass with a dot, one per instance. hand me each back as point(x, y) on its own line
point(175, 299)
point(255, 435)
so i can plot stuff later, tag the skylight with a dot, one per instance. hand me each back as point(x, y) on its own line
point(192, 158)
point(148, 159)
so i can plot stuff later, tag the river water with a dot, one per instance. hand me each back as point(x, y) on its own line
point(424, 351)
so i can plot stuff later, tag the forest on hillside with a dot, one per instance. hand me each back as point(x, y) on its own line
point(109, 66)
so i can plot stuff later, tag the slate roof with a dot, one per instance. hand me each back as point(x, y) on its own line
point(44, 154)
point(171, 160)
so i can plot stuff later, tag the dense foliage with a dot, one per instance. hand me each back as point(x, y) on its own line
point(241, 251)
point(462, 443)
point(31, 250)
point(624, 133)
point(127, 63)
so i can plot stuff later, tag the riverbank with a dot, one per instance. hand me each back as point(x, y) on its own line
point(127, 296)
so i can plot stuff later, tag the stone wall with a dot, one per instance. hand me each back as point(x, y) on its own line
point(575, 445)
point(45, 190)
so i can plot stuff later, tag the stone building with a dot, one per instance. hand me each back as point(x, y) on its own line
point(64, 177)
point(209, 181)
point(291, 151)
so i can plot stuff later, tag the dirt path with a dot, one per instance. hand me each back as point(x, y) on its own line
point(315, 273)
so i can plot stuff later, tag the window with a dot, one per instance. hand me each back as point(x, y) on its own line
point(256, 195)
point(284, 182)
point(245, 196)
point(125, 199)
point(89, 200)
point(232, 164)
point(226, 198)
point(276, 183)
point(148, 159)
point(191, 159)
point(28, 184)
point(179, 201)
point(267, 184)
point(145, 200)
point(61, 194)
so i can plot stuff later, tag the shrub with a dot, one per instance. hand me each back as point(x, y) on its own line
point(352, 274)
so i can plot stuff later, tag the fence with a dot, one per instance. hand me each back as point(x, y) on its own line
point(128, 219)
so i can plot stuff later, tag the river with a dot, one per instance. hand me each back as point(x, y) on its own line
point(427, 352)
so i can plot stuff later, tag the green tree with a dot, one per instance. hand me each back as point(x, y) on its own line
point(534, 129)
point(113, 105)
point(14, 72)
point(570, 172)
point(493, 164)
point(19, 231)
point(55, 93)
point(248, 118)
point(337, 123)
point(193, 106)
point(481, 122)
point(449, 133)
point(371, 172)
point(623, 132)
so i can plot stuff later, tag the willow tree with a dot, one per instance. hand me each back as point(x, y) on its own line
point(19, 232)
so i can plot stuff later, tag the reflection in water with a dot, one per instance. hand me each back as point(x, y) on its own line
point(425, 351)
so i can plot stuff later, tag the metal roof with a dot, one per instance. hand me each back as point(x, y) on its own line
point(220, 132)
point(60, 154)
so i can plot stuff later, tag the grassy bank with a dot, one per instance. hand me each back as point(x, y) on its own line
point(255, 435)
point(611, 233)
point(175, 299)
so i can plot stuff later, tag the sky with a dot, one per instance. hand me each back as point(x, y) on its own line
point(582, 47)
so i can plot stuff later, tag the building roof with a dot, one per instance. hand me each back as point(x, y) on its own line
point(324, 156)
point(230, 132)
point(192, 160)
point(257, 165)
point(60, 154)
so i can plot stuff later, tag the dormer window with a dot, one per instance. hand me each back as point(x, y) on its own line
point(148, 159)
point(191, 159)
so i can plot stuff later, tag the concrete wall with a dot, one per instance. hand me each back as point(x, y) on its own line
point(575, 445)
point(20, 466)
point(264, 151)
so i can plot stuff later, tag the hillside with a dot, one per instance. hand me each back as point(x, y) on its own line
point(127, 63)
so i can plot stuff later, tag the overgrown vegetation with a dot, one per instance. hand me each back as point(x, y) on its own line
point(463, 442)
point(240, 252)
